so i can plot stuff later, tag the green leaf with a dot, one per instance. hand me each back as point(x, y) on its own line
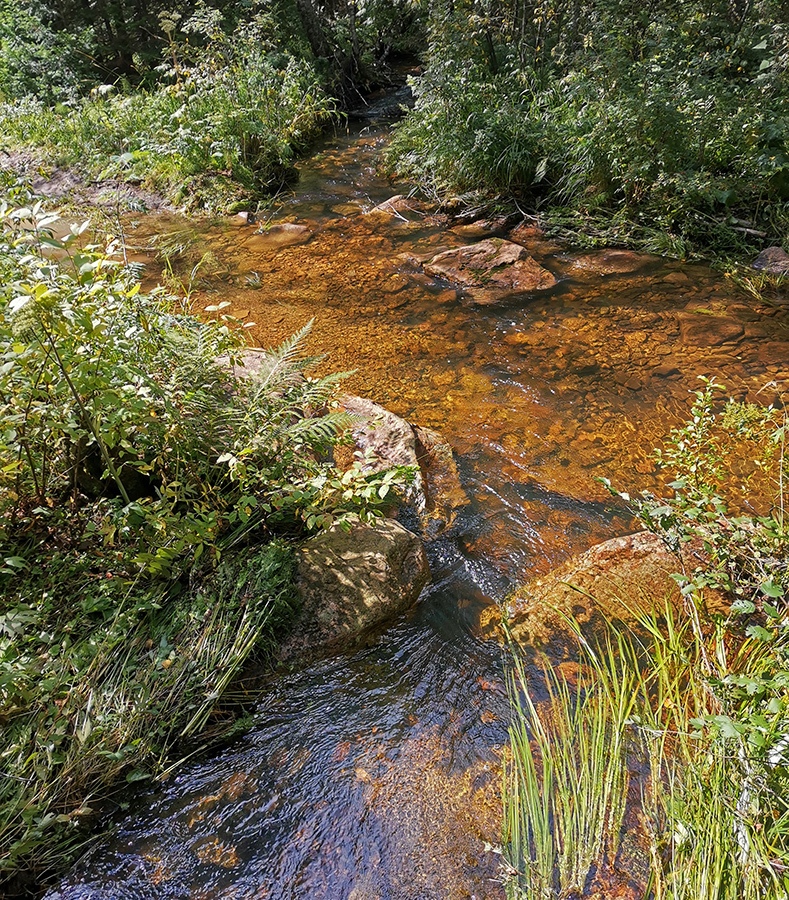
point(727, 727)
point(770, 589)
point(138, 775)
point(759, 633)
point(743, 607)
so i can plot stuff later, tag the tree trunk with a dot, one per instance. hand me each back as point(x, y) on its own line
point(313, 29)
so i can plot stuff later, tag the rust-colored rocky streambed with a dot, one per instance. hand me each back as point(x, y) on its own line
point(376, 774)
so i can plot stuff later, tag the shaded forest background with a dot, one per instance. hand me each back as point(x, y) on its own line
point(654, 122)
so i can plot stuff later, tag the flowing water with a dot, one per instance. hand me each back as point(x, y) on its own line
point(375, 776)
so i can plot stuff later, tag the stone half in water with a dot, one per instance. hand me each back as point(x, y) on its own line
point(614, 262)
point(614, 581)
point(287, 234)
point(352, 582)
point(774, 260)
point(384, 440)
point(491, 270)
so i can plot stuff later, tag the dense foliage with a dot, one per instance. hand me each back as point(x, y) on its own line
point(150, 489)
point(687, 712)
point(225, 120)
point(205, 103)
point(665, 122)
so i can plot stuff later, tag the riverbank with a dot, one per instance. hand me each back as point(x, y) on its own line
point(655, 759)
point(152, 491)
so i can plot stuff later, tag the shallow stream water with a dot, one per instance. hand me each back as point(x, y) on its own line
point(375, 775)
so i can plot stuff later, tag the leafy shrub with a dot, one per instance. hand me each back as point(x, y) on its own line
point(106, 392)
point(674, 123)
point(227, 117)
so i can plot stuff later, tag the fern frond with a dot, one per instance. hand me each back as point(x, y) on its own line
point(316, 393)
point(322, 430)
point(281, 364)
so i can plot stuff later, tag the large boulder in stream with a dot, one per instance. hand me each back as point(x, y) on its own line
point(352, 581)
point(382, 440)
point(611, 582)
point(491, 270)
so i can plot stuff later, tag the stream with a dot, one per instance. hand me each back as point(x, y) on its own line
point(376, 775)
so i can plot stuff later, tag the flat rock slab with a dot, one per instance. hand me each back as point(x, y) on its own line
point(701, 329)
point(351, 582)
point(285, 235)
point(491, 270)
point(612, 581)
point(614, 262)
point(773, 353)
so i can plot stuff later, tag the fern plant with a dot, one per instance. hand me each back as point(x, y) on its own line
point(123, 414)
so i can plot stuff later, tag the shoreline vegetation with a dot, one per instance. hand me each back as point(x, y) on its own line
point(151, 500)
point(662, 763)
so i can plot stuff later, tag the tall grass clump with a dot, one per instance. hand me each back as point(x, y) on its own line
point(685, 714)
point(567, 779)
point(707, 800)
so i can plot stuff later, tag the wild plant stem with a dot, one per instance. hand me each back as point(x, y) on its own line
point(90, 423)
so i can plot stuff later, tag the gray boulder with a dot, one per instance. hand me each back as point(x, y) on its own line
point(384, 440)
point(351, 582)
point(774, 260)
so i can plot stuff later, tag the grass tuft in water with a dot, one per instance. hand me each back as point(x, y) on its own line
point(649, 737)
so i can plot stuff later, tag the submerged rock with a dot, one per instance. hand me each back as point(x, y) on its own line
point(614, 262)
point(351, 582)
point(286, 234)
point(444, 494)
point(491, 270)
point(704, 329)
point(611, 582)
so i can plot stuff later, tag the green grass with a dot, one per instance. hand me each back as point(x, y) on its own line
point(103, 679)
point(648, 719)
point(566, 783)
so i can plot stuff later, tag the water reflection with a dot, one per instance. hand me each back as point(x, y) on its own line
point(371, 776)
